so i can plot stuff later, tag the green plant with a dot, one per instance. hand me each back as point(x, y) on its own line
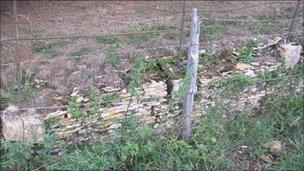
point(26, 91)
point(233, 83)
point(25, 155)
point(49, 48)
point(163, 26)
point(138, 70)
point(111, 98)
point(113, 60)
point(245, 53)
point(138, 39)
point(212, 30)
point(177, 96)
point(113, 42)
point(207, 60)
point(95, 100)
point(75, 108)
point(82, 51)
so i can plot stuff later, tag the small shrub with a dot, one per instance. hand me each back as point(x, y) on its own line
point(113, 60)
point(111, 98)
point(138, 70)
point(95, 100)
point(75, 108)
point(207, 60)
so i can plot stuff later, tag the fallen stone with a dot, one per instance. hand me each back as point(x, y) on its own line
point(291, 54)
point(256, 64)
point(250, 73)
point(276, 147)
point(267, 158)
point(55, 114)
point(273, 41)
point(242, 66)
point(22, 125)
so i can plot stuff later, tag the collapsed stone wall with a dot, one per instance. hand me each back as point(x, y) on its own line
point(151, 108)
point(153, 105)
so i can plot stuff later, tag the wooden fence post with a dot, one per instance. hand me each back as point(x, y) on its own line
point(191, 74)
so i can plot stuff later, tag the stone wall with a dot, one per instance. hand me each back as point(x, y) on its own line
point(152, 107)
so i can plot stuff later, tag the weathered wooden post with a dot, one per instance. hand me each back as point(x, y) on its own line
point(191, 74)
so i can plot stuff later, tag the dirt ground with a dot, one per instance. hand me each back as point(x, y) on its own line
point(56, 63)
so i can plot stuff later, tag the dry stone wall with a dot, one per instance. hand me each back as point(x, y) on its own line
point(152, 107)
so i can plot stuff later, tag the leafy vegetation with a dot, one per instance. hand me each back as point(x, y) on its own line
point(111, 98)
point(50, 48)
point(136, 76)
point(75, 108)
point(207, 60)
point(82, 51)
point(27, 91)
point(113, 60)
point(95, 100)
point(112, 42)
point(245, 53)
point(233, 83)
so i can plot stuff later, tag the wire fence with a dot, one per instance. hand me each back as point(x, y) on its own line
point(181, 31)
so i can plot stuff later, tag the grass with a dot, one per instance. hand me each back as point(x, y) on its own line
point(245, 53)
point(207, 60)
point(138, 39)
point(211, 30)
point(112, 42)
point(50, 48)
point(234, 83)
point(74, 107)
point(77, 55)
point(113, 60)
point(10, 95)
point(136, 76)
point(95, 100)
point(111, 98)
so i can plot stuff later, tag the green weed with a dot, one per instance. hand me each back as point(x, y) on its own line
point(25, 155)
point(136, 77)
point(50, 48)
point(245, 53)
point(211, 31)
point(95, 100)
point(112, 42)
point(77, 55)
point(234, 83)
point(75, 108)
point(111, 98)
point(113, 60)
point(27, 91)
point(207, 60)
